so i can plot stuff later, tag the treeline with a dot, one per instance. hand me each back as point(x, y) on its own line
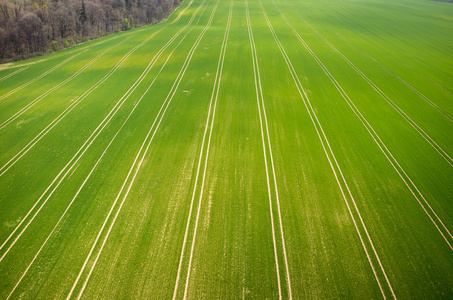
point(32, 27)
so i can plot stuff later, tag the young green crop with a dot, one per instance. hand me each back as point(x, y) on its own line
point(241, 149)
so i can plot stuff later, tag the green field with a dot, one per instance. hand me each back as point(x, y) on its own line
point(260, 149)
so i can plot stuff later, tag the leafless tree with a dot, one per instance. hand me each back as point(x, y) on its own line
point(28, 27)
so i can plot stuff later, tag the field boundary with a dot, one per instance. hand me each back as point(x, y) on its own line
point(56, 87)
point(59, 174)
point(91, 172)
point(95, 133)
point(182, 12)
point(42, 75)
point(53, 123)
point(13, 73)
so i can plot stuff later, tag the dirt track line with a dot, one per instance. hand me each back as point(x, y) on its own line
point(214, 97)
point(395, 164)
point(13, 73)
point(261, 111)
point(427, 137)
point(91, 139)
point(52, 124)
point(40, 76)
point(68, 167)
point(93, 136)
point(325, 142)
point(38, 137)
point(258, 90)
point(388, 154)
point(137, 167)
point(88, 176)
point(42, 96)
point(92, 170)
point(182, 12)
point(421, 95)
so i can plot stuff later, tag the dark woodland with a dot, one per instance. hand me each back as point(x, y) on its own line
point(34, 27)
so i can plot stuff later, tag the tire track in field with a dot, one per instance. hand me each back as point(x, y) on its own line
point(76, 102)
point(40, 76)
point(401, 62)
point(447, 89)
point(404, 50)
point(72, 163)
point(401, 112)
point(93, 169)
point(387, 153)
point(392, 32)
point(12, 74)
point(56, 87)
point(209, 125)
point(264, 127)
point(336, 169)
point(135, 168)
point(392, 55)
point(182, 12)
point(426, 99)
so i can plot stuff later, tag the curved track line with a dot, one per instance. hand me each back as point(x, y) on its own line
point(40, 76)
point(42, 96)
point(13, 73)
point(325, 142)
point(382, 146)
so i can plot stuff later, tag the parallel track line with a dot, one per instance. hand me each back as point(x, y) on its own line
point(182, 12)
point(41, 76)
point(63, 114)
point(13, 73)
point(214, 97)
point(90, 139)
point(68, 167)
point(137, 167)
point(56, 87)
point(325, 142)
point(88, 177)
point(401, 112)
point(395, 164)
point(262, 112)
point(420, 94)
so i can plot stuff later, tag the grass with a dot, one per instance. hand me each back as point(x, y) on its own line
point(337, 187)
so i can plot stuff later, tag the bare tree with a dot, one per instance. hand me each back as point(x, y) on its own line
point(32, 26)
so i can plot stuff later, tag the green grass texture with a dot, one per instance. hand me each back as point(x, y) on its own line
point(259, 149)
